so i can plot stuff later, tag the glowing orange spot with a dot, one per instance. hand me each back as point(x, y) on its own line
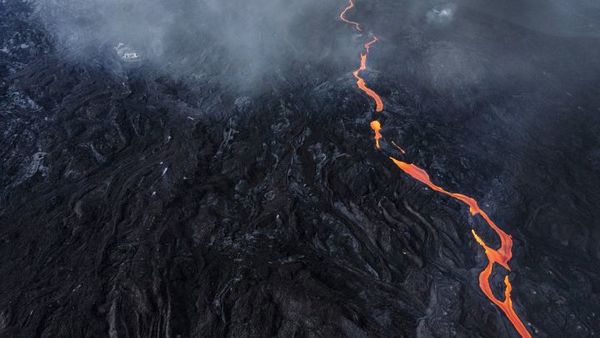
point(356, 25)
point(376, 126)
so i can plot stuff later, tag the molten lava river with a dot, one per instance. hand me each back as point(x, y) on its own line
point(500, 256)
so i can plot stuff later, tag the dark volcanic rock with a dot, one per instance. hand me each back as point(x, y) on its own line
point(135, 204)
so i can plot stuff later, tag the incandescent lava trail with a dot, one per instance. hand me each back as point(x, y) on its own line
point(500, 256)
point(354, 24)
point(360, 82)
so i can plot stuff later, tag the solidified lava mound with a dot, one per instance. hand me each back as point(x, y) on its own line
point(198, 181)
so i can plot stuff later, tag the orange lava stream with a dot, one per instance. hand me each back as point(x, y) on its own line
point(500, 256)
point(360, 82)
point(356, 25)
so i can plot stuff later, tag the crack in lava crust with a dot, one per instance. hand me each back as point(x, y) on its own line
point(500, 256)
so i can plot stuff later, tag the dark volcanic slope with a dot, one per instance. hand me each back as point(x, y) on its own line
point(133, 204)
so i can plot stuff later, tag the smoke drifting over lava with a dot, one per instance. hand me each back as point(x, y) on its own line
point(242, 43)
point(251, 45)
point(303, 168)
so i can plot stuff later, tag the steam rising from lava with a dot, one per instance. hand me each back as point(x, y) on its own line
point(242, 44)
point(253, 44)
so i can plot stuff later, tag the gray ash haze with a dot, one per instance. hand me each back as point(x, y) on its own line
point(205, 168)
point(250, 45)
point(254, 46)
point(243, 42)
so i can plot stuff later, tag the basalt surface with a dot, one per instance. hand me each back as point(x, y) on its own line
point(136, 204)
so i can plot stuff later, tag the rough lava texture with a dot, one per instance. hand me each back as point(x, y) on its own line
point(135, 204)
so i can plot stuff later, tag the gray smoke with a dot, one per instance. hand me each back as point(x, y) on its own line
point(242, 42)
point(248, 43)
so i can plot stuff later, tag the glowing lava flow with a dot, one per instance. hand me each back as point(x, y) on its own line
point(360, 82)
point(376, 126)
point(502, 255)
point(343, 16)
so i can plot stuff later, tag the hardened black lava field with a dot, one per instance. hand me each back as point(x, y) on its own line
point(208, 169)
